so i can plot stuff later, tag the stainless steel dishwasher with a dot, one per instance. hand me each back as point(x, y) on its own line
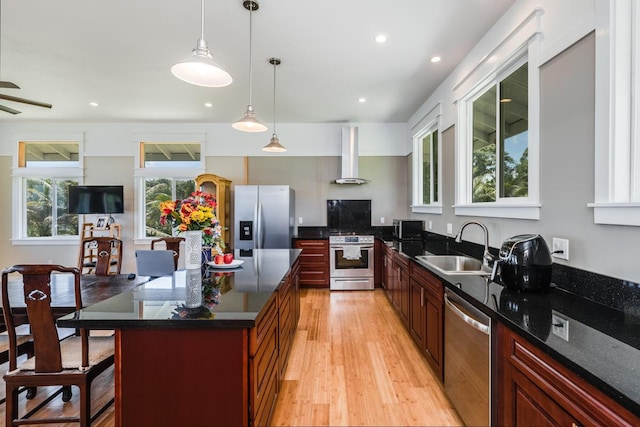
point(467, 360)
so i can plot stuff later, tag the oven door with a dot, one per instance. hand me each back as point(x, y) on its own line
point(348, 267)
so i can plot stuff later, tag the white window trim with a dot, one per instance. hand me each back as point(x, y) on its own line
point(430, 122)
point(140, 174)
point(523, 42)
point(18, 215)
point(617, 114)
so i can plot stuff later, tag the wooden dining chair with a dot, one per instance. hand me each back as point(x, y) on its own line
point(73, 361)
point(171, 244)
point(100, 255)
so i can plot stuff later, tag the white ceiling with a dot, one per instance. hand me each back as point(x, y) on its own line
point(118, 53)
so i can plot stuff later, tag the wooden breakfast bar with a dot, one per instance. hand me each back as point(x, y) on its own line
point(215, 361)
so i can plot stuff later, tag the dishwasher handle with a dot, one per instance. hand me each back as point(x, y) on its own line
point(485, 329)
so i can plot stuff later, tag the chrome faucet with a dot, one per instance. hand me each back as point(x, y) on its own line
point(487, 258)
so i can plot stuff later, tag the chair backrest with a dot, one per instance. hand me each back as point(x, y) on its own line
point(36, 286)
point(171, 244)
point(102, 253)
point(154, 263)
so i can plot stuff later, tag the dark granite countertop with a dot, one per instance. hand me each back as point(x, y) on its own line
point(230, 298)
point(604, 343)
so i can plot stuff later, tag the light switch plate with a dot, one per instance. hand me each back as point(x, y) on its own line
point(449, 228)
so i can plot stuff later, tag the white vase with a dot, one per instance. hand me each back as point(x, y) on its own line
point(193, 249)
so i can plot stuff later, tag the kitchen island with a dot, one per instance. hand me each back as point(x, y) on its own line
point(217, 363)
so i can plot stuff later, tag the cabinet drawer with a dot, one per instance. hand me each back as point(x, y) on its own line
point(263, 326)
point(313, 258)
point(312, 244)
point(402, 261)
point(426, 279)
point(262, 367)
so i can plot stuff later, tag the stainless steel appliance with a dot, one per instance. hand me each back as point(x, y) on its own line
point(467, 360)
point(351, 258)
point(263, 216)
point(524, 263)
point(407, 229)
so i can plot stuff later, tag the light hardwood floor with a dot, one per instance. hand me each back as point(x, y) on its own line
point(352, 363)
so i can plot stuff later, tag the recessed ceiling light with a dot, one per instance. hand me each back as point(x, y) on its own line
point(94, 104)
point(436, 59)
point(208, 104)
point(362, 100)
point(381, 38)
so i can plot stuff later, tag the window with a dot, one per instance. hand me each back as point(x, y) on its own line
point(167, 169)
point(498, 125)
point(41, 179)
point(426, 189)
point(500, 140)
point(617, 115)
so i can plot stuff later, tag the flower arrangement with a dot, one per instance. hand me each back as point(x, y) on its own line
point(196, 212)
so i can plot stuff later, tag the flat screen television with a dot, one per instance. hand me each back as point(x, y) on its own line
point(347, 216)
point(96, 199)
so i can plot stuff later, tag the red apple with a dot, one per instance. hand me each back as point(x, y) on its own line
point(228, 257)
point(219, 259)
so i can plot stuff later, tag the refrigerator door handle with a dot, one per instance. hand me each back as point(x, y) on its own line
point(259, 236)
point(256, 225)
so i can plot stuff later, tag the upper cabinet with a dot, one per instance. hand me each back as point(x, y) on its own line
point(220, 187)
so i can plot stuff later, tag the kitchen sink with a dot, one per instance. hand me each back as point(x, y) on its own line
point(455, 264)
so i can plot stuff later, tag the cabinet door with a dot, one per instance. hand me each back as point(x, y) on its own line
point(403, 290)
point(433, 336)
point(417, 322)
point(388, 276)
point(526, 405)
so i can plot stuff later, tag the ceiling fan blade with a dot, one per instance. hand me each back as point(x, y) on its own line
point(24, 101)
point(9, 110)
point(9, 85)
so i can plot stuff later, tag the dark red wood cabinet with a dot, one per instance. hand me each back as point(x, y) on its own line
point(314, 262)
point(426, 319)
point(535, 389)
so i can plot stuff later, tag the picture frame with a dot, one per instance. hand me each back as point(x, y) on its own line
point(102, 223)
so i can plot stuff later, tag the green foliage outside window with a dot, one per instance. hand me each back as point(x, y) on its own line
point(42, 219)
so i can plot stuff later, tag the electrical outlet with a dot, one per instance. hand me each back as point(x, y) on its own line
point(449, 228)
point(381, 220)
point(560, 248)
point(430, 225)
point(560, 326)
point(299, 220)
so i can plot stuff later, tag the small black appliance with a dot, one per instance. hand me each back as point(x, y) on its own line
point(407, 229)
point(524, 263)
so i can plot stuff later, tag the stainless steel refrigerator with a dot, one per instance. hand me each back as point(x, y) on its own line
point(264, 216)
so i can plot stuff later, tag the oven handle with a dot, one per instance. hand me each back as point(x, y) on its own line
point(342, 247)
point(468, 319)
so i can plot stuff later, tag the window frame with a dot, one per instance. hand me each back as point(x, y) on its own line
point(20, 174)
point(617, 114)
point(142, 173)
point(418, 205)
point(523, 46)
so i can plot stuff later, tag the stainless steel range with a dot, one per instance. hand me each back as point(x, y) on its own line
point(352, 260)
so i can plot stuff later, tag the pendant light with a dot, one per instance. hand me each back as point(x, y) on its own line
point(200, 69)
point(274, 145)
point(249, 123)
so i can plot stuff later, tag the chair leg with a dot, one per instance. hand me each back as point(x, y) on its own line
point(31, 392)
point(85, 404)
point(11, 404)
point(66, 393)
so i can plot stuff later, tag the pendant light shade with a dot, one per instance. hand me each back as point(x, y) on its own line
point(200, 68)
point(274, 145)
point(249, 122)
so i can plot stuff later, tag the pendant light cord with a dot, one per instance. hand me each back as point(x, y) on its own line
point(202, 19)
point(250, 56)
point(274, 96)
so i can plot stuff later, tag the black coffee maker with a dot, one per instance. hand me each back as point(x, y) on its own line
point(524, 263)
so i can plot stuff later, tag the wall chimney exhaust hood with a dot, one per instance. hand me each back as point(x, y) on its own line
point(349, 171)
